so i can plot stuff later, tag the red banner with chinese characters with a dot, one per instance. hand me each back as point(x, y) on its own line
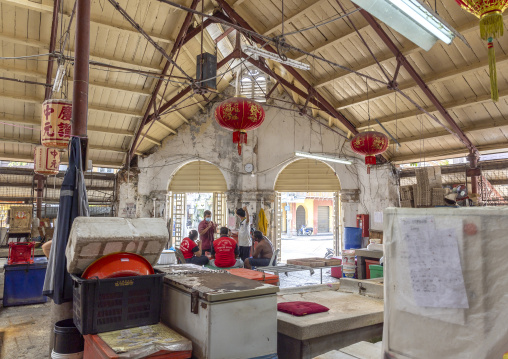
point(56, 123)
point(46, 160)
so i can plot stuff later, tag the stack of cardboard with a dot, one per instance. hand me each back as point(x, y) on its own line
point(428, 179)
point(406, 196)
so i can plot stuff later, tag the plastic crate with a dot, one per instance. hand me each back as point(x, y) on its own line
point(368, 263)
point(23, 284)
point(103, 305)
point(21, 253)
point(376, 271)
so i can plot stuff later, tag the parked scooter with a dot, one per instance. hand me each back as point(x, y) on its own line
point(329, 253)
point(307, 231)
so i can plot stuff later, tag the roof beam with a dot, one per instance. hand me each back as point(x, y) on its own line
point(93, 83)
point(151, 139)
point(29, 185)
point(30, 159)
point(416, 77)
point(408, 50)
point(326, 106)
point(480, 126)
point(501, 62)
point(42, 8)
point(32, 142)
point(34, 100)
point(295, 17)
point(447, 153)
point(449, 106)
point(166, 127)
point(93, 56)
point(17, 120)
point(181, 39)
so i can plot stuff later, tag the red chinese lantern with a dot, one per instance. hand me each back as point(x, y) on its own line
point(239, 115)
point(369, 144)
point(490, 13)
point(46, 160)
point(56, 123)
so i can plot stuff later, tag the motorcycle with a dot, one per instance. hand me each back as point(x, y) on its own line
point(307, 231)
point(329, 253)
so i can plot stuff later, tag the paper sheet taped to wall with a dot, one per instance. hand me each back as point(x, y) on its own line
point(434, 264)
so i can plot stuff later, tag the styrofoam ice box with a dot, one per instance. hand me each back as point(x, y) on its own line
point(94, 237)
point(445, 283)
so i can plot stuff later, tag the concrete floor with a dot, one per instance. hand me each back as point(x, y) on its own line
point(24, 331)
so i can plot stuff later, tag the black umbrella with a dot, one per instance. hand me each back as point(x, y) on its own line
point(73, 203)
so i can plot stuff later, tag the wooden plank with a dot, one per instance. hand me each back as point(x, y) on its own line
point(48, 9)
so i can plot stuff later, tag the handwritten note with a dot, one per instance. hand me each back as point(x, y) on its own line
point(434, 264)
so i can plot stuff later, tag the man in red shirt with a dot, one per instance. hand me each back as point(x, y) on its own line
point(190, 250)
point(206, 231)
point(225, 251)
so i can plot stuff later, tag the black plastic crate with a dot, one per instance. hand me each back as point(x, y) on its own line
point(104, 305)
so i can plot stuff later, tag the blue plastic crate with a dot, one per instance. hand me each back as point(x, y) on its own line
point(23, 284)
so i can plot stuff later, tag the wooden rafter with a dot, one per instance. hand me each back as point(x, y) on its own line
point(31, 142)
point(447, 153)
point(93, 83)
point(408, 50)
point(501, 61)
point(26, 158)
point(296, 16)
point(35, 100)
point(93, 56)
point(43, 8)
point(453, 105)
point(480, 126)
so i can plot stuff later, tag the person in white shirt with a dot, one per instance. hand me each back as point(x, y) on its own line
point(244, 240)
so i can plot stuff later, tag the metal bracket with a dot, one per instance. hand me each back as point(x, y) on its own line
point(303, 110)
point(361, 288)
point(393, 84)
point(195, 302)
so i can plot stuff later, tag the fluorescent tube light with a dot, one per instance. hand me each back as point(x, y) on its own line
point(252, 50)
point(323, 158)
point(60, 73)
point(413, 19)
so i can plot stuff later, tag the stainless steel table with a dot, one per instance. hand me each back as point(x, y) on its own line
point(286, 268)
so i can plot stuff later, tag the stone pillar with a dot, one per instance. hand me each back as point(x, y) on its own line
point(350, 201)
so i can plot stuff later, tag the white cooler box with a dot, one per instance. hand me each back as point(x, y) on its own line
point(225, 316)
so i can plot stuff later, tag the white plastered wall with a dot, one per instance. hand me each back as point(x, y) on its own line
point(270, 148)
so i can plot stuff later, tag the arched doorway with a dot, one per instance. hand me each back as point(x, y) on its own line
point(307, 193)
point(300, 217)
point(193, 188)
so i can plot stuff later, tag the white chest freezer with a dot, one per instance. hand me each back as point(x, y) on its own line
point(225, 316)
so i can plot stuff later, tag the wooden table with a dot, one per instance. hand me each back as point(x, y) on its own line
point(361, 254)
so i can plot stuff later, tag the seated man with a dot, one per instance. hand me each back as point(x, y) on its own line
point(191, 251)
point(262, 254)
point(225, 251)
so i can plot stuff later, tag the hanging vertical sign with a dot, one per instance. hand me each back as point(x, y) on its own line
point(46, 160)
point(56, 123)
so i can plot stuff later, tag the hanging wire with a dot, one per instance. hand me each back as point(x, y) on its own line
point(368, 103)
point(396, 124)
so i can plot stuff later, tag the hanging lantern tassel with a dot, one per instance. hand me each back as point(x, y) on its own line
point(240, 137)
point(369, 161)
point(494, 93)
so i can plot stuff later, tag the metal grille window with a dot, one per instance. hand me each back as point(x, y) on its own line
point(253, 84)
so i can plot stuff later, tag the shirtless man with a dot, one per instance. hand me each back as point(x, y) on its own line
point(262, 254)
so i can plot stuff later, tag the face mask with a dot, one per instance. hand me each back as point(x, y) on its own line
point(208, 219)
